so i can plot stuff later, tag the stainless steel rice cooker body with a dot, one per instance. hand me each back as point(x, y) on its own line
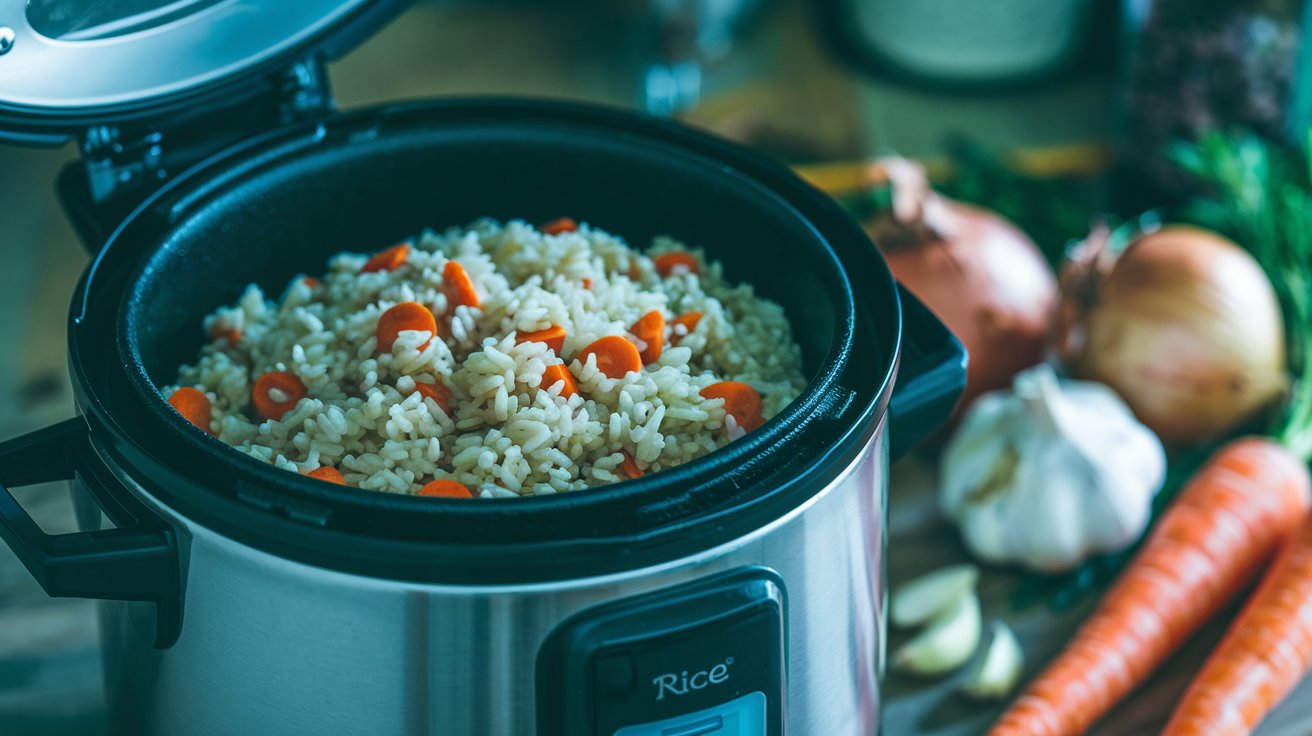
point(271, 645)
point(741, 592)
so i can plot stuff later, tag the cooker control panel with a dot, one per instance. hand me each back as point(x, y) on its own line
point(704, 658)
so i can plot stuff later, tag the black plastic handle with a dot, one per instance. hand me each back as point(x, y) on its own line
point(930, 379)
point(136, 562)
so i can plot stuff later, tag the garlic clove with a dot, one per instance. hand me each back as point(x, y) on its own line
point(929, 595)
point(946, 644)
point(996, 673)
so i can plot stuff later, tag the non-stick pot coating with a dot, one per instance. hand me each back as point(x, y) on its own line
point(372, 193)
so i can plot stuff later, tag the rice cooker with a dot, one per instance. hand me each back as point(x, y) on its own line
point(742, 593)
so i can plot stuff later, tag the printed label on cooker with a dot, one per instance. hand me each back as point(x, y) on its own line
point(682, 683)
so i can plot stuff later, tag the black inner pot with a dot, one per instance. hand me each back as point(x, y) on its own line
point(282, 206)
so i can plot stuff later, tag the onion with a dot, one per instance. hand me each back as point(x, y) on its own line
point(982, 276)
point(1183, 324)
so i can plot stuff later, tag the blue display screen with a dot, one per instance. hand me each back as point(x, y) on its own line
point(744, 716)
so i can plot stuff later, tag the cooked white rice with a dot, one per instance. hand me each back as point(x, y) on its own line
point(506, 434)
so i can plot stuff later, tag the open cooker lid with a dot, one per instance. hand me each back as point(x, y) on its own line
point(66, 65)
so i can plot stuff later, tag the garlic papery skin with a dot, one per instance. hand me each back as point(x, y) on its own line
point(1049, 473)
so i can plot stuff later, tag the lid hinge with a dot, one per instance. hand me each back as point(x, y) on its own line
point(112, 163)
point(121, 165)
point(305, 91)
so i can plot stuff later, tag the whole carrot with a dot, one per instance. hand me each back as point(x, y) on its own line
point(1227, 520)
point(1264, 654)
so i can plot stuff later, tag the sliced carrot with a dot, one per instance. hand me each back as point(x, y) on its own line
point(1264, 654)
point(556, 373)
point(741, 401)
point(689, 320)
point(553, 336)
point(437, 392)
point(456, 285)
point(558, 226)
point(445, 489)
point(1224, 524)
point(388, 259)
point(328, 473)
point(587, 283)
point(230, 335)
point(628, 467)
point(194, 406)
point(275, 393)
point(616, 356)
point(668, 264)
point(650, 328)
point(402, 317)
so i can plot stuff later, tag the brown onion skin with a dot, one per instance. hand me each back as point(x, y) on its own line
point(989, 284)
point(1143, 344)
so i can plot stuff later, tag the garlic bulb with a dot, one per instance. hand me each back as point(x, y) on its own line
point(1050, 473)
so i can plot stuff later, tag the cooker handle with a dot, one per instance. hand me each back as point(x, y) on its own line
point(930, 378)
point(138, 561)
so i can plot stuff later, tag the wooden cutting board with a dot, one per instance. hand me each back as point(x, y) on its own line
point(920, 540)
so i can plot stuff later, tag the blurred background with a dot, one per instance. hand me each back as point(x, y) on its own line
point(992, 96)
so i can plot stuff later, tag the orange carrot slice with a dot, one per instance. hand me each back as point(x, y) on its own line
point(388, 259)
point(553, 336)
point(689, 321)
point(437, 392)
point(194, 406)
point(616, 356)
point(556, 373)
point(628, 467)
point(230, 335)
point(456, 285)
point(650, 328)
point(741, 401)
point(445, 489)
point(404, 316)
point(558, 226)
point(668, 264)
point(1224, 524)
point(275, 393)
point(327, 473)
